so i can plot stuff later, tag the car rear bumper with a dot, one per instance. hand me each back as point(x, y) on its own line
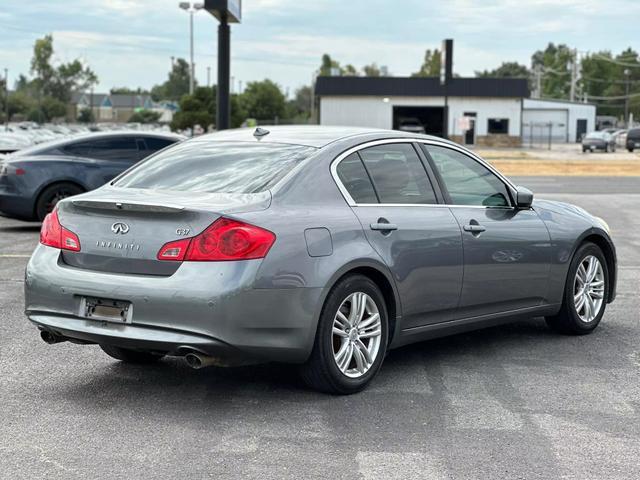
point(15, 205)
point(208, 307)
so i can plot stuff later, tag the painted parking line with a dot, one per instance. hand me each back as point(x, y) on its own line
point(15, 255)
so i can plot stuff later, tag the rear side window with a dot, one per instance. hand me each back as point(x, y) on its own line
point(154, 143)
point(116, 148)
point(634, 133)
point(79, 149)
point(356, 180)
point(217, 167)
point(398, 174)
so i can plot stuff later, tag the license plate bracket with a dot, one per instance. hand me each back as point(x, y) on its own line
point(106, 309)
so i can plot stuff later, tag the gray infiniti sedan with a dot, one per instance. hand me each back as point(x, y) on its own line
point(320, 246)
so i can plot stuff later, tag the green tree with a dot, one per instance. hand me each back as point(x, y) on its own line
point(176, 85)
point(371, 70)
point(554, 63)
point(145, 116)
point(263, 100)
point(506, 70)
point(60, 82)
point(328, 66)
point(430, 65)
point(86, 116)
point(19, 103)
point(350, 71)
point(299, 107)
point(128, 91)
point(603, 75)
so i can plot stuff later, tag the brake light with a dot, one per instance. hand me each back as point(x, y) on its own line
point(53, 234)
point(223, 240)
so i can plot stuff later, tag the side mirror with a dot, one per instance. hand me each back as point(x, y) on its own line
point(524, 197)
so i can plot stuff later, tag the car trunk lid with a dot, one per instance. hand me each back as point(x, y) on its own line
point(121, 230)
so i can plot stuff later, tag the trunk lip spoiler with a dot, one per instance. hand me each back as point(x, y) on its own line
point(128, 205)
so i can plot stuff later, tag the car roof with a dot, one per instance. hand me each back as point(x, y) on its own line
point(59, 142)
point(309, 135)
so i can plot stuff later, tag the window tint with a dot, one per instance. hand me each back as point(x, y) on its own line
point(155, 143)
point(355, 179)
point(398, 174)
point(498, 125)
point(79, 149)
point(115, 148)
point(219, 167)
point(468, 182)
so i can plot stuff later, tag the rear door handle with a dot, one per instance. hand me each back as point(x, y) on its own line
point(384, 227)
point(474, 228)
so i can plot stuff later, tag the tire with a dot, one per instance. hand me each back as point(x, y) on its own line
point(130, 356)
point(51, 195)
point(606, 148)
point(321, 371)
point(573, 319)
point(630, 150)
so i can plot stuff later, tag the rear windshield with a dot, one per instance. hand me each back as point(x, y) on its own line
point(216, 167)
point(634, 133)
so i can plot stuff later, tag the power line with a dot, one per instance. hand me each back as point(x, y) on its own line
point(616, 62)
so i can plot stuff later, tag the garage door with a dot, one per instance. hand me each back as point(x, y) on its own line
point(537, 125)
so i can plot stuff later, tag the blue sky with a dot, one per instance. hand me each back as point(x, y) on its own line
point(130, 42)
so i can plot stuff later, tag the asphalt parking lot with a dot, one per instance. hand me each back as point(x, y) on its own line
point(515, 401)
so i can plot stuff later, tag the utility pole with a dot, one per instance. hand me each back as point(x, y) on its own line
point(574, 75)
point(538, 75)
point(208, 76)
point(626, 72)
point(6, 99)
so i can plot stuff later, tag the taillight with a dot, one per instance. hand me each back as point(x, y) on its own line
point(55, 235)
point(224, 239)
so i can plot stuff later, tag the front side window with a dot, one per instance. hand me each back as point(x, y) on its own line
point(467, 181)
point(216, 167)
point(397, 174)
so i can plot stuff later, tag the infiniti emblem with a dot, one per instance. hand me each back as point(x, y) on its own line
point(120, 228)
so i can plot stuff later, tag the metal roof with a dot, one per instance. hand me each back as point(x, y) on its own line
point(421, 87)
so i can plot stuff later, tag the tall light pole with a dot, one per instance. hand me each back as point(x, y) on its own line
point(226, 11)
point(626, 72)
point(191, 8)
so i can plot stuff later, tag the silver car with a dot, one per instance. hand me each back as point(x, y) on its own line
point(319, 246)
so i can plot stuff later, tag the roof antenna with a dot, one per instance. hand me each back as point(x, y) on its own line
point(261, 132)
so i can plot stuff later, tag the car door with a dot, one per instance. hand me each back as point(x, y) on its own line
point(419, 239)
point(507, 251)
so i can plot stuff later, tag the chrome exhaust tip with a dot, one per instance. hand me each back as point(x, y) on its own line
point(197, 361)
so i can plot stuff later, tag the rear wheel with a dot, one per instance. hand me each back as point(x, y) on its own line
point(585, 293)
point(351, 339)
point(51, 195)
point(130, 356)
point(630, 149)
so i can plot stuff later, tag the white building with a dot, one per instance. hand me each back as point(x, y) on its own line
point(482, 111)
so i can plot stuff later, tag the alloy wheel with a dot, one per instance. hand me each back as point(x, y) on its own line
point(357, 332)
point(588, 289)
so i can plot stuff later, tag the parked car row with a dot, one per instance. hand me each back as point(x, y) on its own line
point(16, 136)
point(609, 139)
point(33, 180)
